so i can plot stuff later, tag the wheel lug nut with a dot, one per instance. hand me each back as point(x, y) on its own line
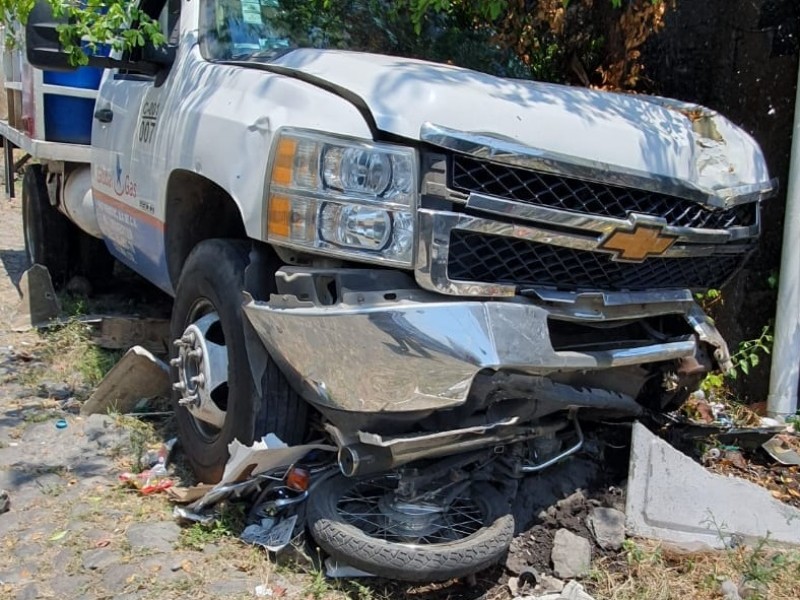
point(197, 354)
point(179, 343)
point(175, 362)
point(198, 379)
point(179, 387)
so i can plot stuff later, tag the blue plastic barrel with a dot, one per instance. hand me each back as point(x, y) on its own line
point(69, 119)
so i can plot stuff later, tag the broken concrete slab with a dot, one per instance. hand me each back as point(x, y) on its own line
point(138, 375)
point(119, 333)
point(571, 555)
point(607, 526)
point(674, 499)
point(39, 303)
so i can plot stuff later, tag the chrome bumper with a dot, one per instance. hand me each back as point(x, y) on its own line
point(398, 349)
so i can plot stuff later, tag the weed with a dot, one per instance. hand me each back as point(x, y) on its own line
point(69, 355)
point(318, 587)
point(229, 523)
point(747, 357)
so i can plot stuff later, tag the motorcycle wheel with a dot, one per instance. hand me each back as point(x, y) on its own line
point(357, 523)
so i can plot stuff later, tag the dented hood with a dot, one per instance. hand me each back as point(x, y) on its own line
point(675, 146)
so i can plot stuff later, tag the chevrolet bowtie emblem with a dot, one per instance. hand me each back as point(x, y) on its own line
point(637, 245)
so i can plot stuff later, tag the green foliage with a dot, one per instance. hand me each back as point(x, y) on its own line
point(747, 357)
point(411, 28)
point(91, 23)
point(747, 354)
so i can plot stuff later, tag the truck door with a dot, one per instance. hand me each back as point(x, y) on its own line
point(126, 173)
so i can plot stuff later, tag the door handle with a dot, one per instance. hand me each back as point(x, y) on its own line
point(104, 115)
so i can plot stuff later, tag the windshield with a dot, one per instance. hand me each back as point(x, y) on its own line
point(240, 29)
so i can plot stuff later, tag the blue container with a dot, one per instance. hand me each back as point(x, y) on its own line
point(69, 119)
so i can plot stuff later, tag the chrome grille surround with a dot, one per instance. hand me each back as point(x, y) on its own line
point(564, 248)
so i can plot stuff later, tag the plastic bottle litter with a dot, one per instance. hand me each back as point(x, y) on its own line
point(149, 481)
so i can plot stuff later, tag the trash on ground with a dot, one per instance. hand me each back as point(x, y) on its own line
point(61, 424)
point(158, 456)
point(784, 448)
point(182, 513)
point(137, 375)
point(186, 495)
point(272, 533)
point(148, 482)
point(337, 570)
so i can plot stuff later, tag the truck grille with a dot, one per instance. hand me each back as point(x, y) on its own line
point(531, 187)
point(485, 258)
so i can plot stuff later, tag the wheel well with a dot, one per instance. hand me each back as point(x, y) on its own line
point(197, 209)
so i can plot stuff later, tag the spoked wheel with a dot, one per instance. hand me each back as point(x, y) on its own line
point(215, 397)
point(366, 524)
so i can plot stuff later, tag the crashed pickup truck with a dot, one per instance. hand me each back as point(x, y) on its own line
point(445, 272)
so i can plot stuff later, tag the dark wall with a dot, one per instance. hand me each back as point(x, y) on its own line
point(739, 57)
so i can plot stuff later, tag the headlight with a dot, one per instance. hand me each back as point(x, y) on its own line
point(343, 197)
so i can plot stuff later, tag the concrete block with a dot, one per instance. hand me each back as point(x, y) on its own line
point(137, 376)
point(39, 303)
point(674, 499)
point(571, 555)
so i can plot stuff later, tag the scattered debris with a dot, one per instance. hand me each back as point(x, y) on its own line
point(148, 482)
point(5, 502)
point(608, 527)
point(120, 333)
point(271, 533)
point(337, 570)
point(158, 457)
point(532, 584)
point(268, 454)
point(184, 495)
point(572, 591)
point(138, 375)
point(729, 590)
point(784, 448)
point(672, 498)
point(39, 303)
point(61, 424)
point(571, 554)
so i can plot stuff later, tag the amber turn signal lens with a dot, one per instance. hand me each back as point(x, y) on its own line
point(280, 215)
point(298, 479)
point(283, 169)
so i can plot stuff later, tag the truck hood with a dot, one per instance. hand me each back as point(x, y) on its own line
point(655, 143)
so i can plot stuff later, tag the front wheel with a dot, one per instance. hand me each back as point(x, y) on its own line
point(215, 398)
point(365, 524)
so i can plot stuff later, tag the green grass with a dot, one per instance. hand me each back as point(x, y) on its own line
point(230, 522)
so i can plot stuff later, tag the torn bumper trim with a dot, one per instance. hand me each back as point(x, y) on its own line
point(416, 352)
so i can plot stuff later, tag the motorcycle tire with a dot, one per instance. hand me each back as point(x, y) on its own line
point(337, 532)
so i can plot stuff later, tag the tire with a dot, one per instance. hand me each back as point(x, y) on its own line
point(93, 260)
point(398, 559)
point(211, 282)
point(49, 236)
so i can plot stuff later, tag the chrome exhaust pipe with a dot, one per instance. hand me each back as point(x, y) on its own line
point(361, 459)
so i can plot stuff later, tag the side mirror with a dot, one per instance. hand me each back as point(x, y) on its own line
point(44, 49)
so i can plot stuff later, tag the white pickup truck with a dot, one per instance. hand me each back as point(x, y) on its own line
point(441, 268)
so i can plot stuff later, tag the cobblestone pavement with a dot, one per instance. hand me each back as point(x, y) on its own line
point(71, 531)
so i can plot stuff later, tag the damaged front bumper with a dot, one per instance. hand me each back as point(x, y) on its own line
point(370, 341)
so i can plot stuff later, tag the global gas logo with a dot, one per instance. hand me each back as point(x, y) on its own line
point(118, 180)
